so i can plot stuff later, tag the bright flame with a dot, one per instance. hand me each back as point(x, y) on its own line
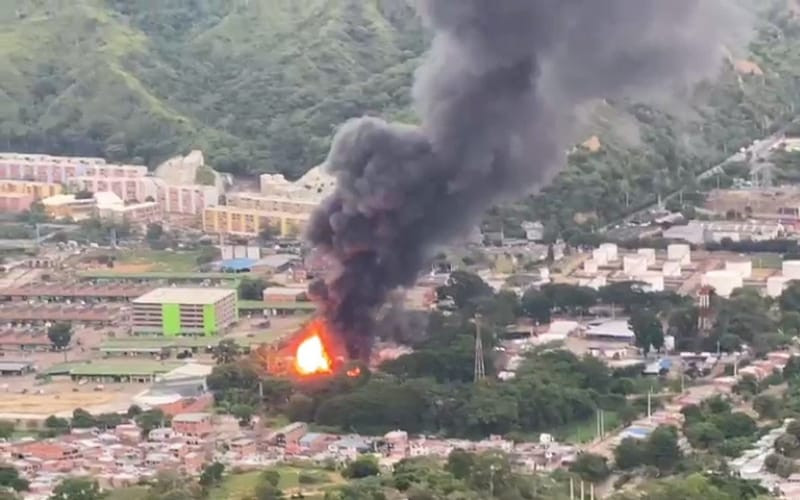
point(312, 358)
point(354, 372)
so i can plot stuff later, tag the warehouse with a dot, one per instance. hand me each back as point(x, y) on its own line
point(185, 311)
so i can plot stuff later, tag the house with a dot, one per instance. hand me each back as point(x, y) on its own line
point(289, 436)
point(192, 424)
point(350, 447)
point(243, 447)
point(46, 450)
point(10, 368)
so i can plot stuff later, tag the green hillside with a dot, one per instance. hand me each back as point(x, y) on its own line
point(261, 84)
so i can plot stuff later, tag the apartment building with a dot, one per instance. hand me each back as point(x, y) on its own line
point(185, 311)
point(60, 169)
point(130, 189)
point(37, 190)
point(67, 205)
point(275, 204)
point(251, 222)
point(135, 213)
point(189, 199)
point(15, 202)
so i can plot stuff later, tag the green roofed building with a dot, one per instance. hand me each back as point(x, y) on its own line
point(185, 311)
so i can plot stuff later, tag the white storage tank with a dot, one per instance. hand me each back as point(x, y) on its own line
point(599, 256)
point(791, 269)
point(634, 265)
point(680, 252)
point(776, 285)
point(590, 266)
point(649, 254)
point(672, 269)
point(612, 253)
point(654, 282)
point(723, 282)
point(743, 267)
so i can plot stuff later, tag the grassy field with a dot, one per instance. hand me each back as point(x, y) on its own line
point(157, 261)
point(241, 486)
point(130, 493)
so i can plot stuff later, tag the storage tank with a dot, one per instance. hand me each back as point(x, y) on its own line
point(680, 252)
point(743, 267)
point(723, 282)
point(671, 269)
point(590, 266)
point(776, 285)
point(649, 254)
point(791, 269)
point(600, 256)
point(634, 265)
point(611, 251)
point(654, 282)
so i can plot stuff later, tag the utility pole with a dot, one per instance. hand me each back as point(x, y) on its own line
point(649, 405)
point(480, 368)
point(571, 488)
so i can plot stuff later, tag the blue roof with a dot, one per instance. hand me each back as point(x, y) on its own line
point(238, 264)
point(309, 438)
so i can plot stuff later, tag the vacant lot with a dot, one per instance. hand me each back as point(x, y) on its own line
point(241, 486)
point(144, 260)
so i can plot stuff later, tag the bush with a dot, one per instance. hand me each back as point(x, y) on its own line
point(307, 477)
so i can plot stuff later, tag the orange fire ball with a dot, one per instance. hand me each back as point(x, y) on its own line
point(312, 358)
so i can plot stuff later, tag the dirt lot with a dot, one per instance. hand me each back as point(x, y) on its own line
point(62, 397)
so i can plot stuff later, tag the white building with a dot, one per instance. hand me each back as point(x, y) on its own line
point(791, 269)
point(723, 282)
point(634, 265)
point(649, 254)
point(671, 269)
point(776, 285)
point(742, 267)
point(680, 252)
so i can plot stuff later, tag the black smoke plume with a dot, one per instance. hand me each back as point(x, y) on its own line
point(495, 97)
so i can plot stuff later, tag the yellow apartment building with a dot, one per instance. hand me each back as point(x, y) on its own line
point(250, 222)
point(36, 189)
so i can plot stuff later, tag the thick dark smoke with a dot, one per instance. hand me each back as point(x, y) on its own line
point(495, 97)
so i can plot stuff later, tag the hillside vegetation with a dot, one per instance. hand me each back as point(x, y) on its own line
point(260, 85)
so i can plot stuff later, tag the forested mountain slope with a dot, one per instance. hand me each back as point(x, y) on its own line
point(261, 84)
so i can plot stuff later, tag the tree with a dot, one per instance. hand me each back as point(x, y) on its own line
point(662, 449)
point(787, 444)
point(268, 234)
point(6, 429)
point(133, 411)
point(77, 489)
point(789, 300)
point(243, 413)
point(151, 419)
point(252, 289)
point(767, 406)
point(704, 435)
point(570, 298)
point(154, 232)
point(684, 326)
point(465, 290)
point(57, 424)
point(60, 334)
point(363, 466)
point(591, 467)
point(207, 255)
point(794, 428)
point(647, 328)
point(536, 306)
point(267, 486)
point(211, 475)
point(170, 485)
point(82, 419)
point(10, 478)
point(460, 463)
point(226, 352)
point(300, 408)
point(629, 454)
